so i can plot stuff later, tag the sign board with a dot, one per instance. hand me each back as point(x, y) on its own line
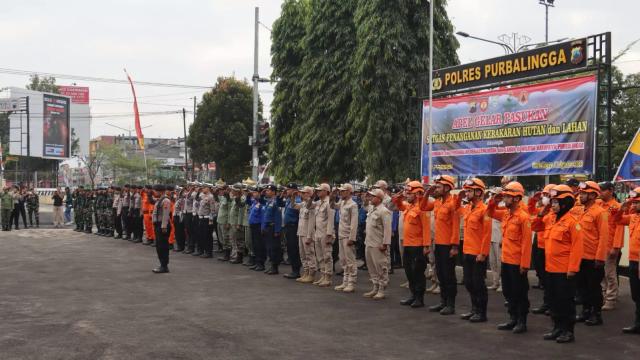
point(542, 129)
point(78, 94)
point(549, 59)
point(55, 136)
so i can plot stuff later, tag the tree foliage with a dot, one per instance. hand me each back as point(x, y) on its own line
point(349, 77)
point(625, 119)
point(44, 84)
point(222, 128)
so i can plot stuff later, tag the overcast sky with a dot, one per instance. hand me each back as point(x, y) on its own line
point(195, 41)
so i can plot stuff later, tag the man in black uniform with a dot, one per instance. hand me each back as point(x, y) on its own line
point(162, 224)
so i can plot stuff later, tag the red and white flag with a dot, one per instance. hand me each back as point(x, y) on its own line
point(136, 113)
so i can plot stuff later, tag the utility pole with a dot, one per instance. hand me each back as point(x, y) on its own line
point(546, 4)
point(186, 157)
point(254, 146)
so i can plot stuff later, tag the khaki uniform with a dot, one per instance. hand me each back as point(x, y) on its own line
point(378, 234)
point(236, 233)
point(347, 231)
point(324, 216)
point(223, 222)
point(306, 230)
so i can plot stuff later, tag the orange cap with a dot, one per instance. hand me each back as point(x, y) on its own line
point(589, 187)
point(445, 180)
point(414, 187)
point(634, 195)
point(513, 188)
point(561, 192)
point(548, 188)
point(474, 183)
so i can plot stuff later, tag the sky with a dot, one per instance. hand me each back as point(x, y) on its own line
point(195, 41)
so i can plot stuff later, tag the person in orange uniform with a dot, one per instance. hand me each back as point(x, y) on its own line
point(563, 253)
point(416, 241)
point(516, 254)
point(147, 205)
point(172, 233)
point(538, 203)
point(595, 224)
point(610, 282)
point(447, 239)
point(477, 241)
point(629, 214)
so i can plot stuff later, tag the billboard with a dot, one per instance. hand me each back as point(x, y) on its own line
point(78, 94)
point(55, 126)
point(545, 60)
point(542, 129)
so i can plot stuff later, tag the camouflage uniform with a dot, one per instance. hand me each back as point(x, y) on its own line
point(88, 211)
point(33, 207)
point(78, 209)
point(108, 218)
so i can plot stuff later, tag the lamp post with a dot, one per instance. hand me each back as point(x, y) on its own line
point(507, 48)
point(547, 4)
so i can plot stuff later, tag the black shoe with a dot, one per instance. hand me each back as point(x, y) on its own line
point(188, 251)
point(273, 271)
point(436, 308)
point(521, 327)
point(226, 256)
point(594, 320)
point(553, 334)
point(508, 325)
point(253, 267)
point(206, 256)
point(117, 236)
point(633, 329)
point(478, 318)
point(259, 268)
point(136, 241)
point(408, 301)
point(566, 337)
point(126, 237)
point(418, 302)
point(467, 316)
point(199, 253)
point(448, 310)
point(161, 270)
point(237, 260)
point(363, 267)
point(286, 262)
point(540, 310)
point(583, 316)
point(340, 273)
point(292, 275)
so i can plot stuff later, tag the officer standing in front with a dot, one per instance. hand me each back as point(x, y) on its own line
point(271, 227)
point(161, 216)
point(288, 200)
point(377, 244)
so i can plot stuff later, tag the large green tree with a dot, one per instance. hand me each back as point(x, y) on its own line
point(350, 77)
point(222, 128)
point(287, 53)
point(625, 119)
point(326, 147)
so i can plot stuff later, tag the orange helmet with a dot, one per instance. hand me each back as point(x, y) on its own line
point(445, 180)
point(589, 187)
point(414, 187)
point(513, 188)
point(474, 183)
point(634, 195)
point(548, 188)
point(561, 192)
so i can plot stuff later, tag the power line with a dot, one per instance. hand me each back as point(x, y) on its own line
point(158, 95)
point(99, 79)
point(143, 103)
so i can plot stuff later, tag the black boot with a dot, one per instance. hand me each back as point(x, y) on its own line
point(595, 318)
point(258, 267)
point(198, 252)
point(479, 317)
point(419, 301)
point(509, 325)
point(226, 255)
point(161, 270)
point(584, 315)
point(554, 333)
point(294, 274)
point(273, 270)
point(450, 307)
point(635, 328)
point(467, 316)
point(565, 337)
point(409, 300)
point(521, 325)
point(541, 309)
point(237, 260)
point(436, 308)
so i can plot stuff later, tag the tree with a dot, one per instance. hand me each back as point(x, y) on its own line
point(44, 84)
point(326, 146)
point(625, 119)
point(75, 143)
point(389, 66)
point(287, 53)
point(222, 128)
point(93, 163)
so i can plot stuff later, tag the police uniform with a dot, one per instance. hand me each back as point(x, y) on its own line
point(255, 224)
point(205, 235)
point(223, 221)
point(271, 227)
point(160, 217)
point(124, 213)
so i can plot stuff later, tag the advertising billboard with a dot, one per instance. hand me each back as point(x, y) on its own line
point(55, 126)
point(541, 129)
point(78, 94)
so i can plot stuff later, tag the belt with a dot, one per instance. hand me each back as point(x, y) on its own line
point(146, 212)
point(204, 217)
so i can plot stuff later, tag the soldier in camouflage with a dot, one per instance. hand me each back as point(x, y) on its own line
point(78, 208)
point(88, 211)
point(33, 207)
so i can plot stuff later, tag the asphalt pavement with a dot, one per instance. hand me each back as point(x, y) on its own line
point(67, 295)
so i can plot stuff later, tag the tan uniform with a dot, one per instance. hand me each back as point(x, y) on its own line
point(324, 235)
point(306, 230)
point(347, 231)
point(378, 234)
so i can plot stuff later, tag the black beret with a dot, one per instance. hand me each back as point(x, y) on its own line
point(271, 187)
point(292, 186)
point(573, 182)
point(606, 185)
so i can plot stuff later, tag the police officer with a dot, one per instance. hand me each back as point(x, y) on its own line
point(255, 224)
point(223, 219)
point(161, 216)
point(136, 214)
point(288, 200)
point(124, 214)
point(236, 235)
point(178, 220)
point(271, 227)
point(205, 224)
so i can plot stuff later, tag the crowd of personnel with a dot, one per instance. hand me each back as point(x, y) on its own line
point(571, 234)
point(15, 203)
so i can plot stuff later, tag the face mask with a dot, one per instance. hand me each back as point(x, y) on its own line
point(501, 204)
point(546, 201)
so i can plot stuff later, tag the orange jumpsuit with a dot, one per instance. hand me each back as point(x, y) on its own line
point(147, 207)
point(172, 234)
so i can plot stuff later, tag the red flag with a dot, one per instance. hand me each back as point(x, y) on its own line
point(136, 113)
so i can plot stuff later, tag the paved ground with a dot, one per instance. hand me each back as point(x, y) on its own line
point(65, 295)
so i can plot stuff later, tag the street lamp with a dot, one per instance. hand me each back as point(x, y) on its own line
point(546, 4)
point(507, 48)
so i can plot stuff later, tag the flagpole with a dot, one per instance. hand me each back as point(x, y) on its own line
point(146, 168)
point(430, 90)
